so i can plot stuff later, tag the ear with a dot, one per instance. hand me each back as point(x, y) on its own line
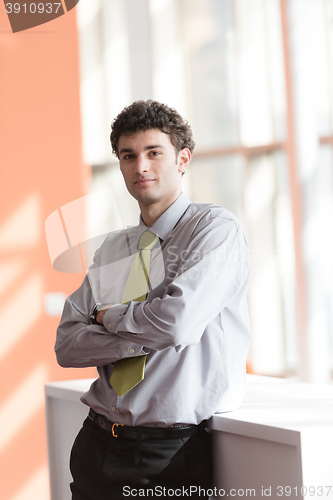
point(184, 158)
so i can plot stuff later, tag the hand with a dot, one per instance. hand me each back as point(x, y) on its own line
point(100, 314)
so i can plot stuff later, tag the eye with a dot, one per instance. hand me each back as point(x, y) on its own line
point(155, 153)
point(127, 157)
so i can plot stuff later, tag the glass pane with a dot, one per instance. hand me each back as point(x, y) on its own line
point(210, 49)
point(272, 287)
point(217, 180)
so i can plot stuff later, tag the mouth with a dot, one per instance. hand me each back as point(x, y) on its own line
point(143, 182)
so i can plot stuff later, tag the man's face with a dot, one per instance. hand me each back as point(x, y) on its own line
point(151, 168)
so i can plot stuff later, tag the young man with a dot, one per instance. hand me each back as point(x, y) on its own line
point(162, 314)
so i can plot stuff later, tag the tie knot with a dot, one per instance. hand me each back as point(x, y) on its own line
point(147, 241)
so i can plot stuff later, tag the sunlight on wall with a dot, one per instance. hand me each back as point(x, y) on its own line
point(37, 176)
point(22, 229)
point(28, 299)
point(36, 488)
point(10, 270)
point(28, 396)
point(21, 289)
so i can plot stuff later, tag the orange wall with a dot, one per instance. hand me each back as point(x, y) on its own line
point(41, 170)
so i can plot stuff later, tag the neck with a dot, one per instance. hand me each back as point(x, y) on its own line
point(150, 213)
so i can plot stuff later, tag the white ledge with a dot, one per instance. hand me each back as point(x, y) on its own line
point(282, 435)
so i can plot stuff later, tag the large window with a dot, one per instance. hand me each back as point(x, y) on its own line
point(255, 80)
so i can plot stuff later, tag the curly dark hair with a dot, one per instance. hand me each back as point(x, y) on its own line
point(144, 115)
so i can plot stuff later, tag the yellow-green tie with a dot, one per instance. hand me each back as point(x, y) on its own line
point(128, 372)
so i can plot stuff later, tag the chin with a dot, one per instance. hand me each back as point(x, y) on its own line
point(148, 199)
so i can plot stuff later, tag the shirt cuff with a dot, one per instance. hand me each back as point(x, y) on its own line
point(112, 315)
point(111, 320)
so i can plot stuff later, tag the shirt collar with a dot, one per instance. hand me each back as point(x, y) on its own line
point(167, 221)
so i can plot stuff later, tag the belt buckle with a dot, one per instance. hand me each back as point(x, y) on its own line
point(112, 430)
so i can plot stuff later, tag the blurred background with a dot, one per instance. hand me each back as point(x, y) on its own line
point(254, 78)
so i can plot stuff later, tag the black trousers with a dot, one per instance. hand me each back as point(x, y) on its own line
point(108, 468)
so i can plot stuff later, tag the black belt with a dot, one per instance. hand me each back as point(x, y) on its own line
point(138, 433)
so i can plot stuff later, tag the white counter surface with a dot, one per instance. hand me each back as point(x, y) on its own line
point(268, 401)
point(283, 429)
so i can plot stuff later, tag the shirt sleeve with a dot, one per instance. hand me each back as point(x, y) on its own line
point(80, 344)
point(214, 273)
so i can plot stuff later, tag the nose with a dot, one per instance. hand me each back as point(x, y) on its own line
point(141, 164)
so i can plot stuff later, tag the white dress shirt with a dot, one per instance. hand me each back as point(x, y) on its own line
point(193, 326)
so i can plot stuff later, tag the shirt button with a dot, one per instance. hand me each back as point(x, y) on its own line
point(113, 408)
point(131, 350)
point(109, 325)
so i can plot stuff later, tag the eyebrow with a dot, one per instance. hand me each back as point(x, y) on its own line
point(147, 148)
